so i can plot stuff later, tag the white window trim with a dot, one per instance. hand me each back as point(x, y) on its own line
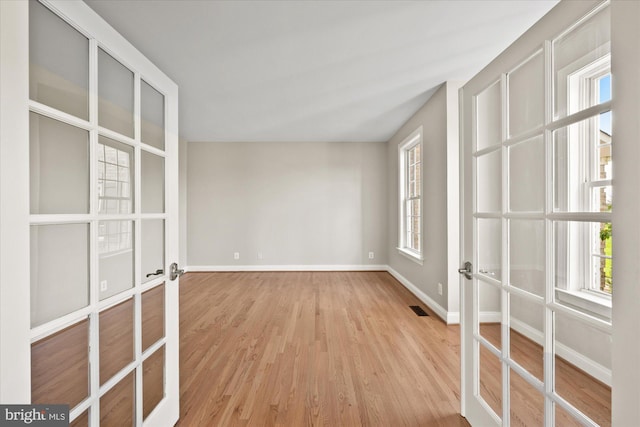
point(410, 141)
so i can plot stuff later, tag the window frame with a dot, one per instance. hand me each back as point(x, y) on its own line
point(408, 144)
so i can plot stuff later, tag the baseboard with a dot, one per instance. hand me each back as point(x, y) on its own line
point(338, 267)
point(596, 370)
point(430, 303)
point(490, 317)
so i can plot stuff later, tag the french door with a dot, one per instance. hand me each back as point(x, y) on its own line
point(538, 207)
point(102, 231)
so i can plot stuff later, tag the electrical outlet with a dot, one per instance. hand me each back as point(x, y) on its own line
point(259, 255)
point(236, 255)
point(439, 288)
point(371, 255)
point(103, 285)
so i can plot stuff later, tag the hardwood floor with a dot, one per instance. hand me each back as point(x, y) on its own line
point(303, 348)
point(313, 348)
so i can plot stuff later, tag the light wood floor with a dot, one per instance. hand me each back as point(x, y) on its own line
point(303, 348)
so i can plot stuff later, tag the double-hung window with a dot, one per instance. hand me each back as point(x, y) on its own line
point(115, 195)
point(583, 185)
point(410, 212)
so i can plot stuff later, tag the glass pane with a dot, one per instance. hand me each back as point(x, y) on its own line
point(579, 350)
point(488, 116)
point(526, 403)
point(152, 381)
point(526, 96)
point(152, 316)
point(526, 320)
point(418, 179)
point(81, 420)
point(60, 367)
point(115, 248)
point(58, 167)
point(489, 182)
point(526, 176)
point(489, 247)
point(490, 379)
point(527, 255)
point(115, 95)
point(58, 63)
point(564, 418)
point(489, 313)
point(152, 249)
point(116, 339)
point(602, 198)
point(605, 127)
point(59, 270)
point(152, 176)
point(117, 406)
point(577, 162)
point(574, 52)
point(115, 177)
point(152, 112)
point(583, 262)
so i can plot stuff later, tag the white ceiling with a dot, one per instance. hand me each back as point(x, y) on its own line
point(313, 70)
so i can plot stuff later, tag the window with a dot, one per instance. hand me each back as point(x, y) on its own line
point(583, 170)
point(410, 212)
point(114, 195)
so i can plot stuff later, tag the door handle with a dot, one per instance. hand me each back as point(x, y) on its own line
point(175, 271)
point(467, 270)
point(157, 272)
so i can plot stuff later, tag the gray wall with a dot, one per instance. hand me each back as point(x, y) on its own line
point(433, 119)
point(294, 203)
point(182, 195)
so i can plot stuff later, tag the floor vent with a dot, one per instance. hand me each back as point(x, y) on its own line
point(418, 310)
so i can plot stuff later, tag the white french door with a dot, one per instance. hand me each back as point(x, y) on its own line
point(100, 148)
point(538, 208)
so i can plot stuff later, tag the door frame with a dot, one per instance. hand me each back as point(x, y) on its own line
point(625, 47)
point(15, 329)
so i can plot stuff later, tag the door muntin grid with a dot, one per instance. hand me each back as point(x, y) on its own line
point(507, 278)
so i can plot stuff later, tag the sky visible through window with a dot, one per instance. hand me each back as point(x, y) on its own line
point(605, 95)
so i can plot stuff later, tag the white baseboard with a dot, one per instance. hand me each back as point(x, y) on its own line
point(596, 370)
point(434, 306)
point(338, 267)
point(490, 317)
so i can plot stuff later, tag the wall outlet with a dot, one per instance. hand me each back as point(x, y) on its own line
point(439, 288)
point(103, 285)
point(259, 255)
point(236, 255)
point(371, 255)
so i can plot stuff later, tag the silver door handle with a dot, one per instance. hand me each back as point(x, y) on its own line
point(156, 273)
point(467, 270)
point(175, 271)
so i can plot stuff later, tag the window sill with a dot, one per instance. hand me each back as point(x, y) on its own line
point(586, 301)
point(418, 259)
